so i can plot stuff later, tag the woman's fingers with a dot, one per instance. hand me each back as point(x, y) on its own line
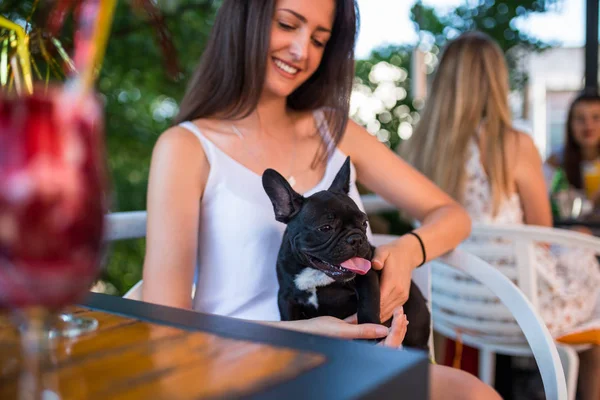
point(398, 329)
point(367, 331)
point(331, 326)
point(381, 254)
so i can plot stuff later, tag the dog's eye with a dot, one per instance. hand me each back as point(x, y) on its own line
point(365, 224)
point(325, 228)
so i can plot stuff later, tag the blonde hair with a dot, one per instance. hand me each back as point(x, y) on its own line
point(469, 92)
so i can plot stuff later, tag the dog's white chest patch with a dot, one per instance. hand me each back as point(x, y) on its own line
point(311, 278)
point(313, 300)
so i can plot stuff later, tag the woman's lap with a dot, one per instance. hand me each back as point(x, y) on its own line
point(450, 383)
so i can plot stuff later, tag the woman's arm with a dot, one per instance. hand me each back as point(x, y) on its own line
point(530, 182)
point(178, 172)
point(444, 223)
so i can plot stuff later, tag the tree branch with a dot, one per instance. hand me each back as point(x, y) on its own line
point(206, 6)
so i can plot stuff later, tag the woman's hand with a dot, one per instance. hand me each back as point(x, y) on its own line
point(331, 326)
point(397, 260)
point(397, 330)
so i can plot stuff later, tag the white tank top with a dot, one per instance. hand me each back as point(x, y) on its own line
point(239, 237)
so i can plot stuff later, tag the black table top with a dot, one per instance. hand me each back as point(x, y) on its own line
point(352, 370)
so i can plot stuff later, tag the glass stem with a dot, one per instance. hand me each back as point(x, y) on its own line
point(34, 346)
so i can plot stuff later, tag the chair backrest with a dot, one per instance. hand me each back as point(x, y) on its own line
point(122, 226)
point(495, 243)
point(466, 291)
point(452, 310)
point(125, 225)
point(463, 304)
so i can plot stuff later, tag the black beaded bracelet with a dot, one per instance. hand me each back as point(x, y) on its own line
point(422, 247)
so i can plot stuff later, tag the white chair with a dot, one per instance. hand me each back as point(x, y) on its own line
point(491, 281)
point(465, 308)
point(127, 225)
point(533, 335)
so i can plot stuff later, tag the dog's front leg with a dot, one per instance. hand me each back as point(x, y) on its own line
point(367, 291)
point(293, 311)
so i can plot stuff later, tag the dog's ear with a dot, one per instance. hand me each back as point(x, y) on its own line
point(341, 183)
point(286, 202)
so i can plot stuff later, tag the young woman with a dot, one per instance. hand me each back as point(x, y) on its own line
point(272, 91)
point(472, 152)
point(582, 143)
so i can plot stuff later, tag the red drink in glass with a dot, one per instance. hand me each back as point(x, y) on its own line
point(52, 198)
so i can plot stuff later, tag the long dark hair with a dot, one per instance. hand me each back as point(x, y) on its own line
point(572, 156)
point(230, 77)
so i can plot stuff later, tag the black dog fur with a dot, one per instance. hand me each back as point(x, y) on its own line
point(324, 230)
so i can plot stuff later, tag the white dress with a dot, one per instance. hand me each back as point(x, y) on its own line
point(239, 237)
point(569, 279)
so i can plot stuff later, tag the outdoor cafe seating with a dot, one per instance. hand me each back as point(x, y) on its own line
point(536, 339)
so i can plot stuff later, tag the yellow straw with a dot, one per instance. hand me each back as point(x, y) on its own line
point(99, 40)
point(22, 51)
point(4, 63)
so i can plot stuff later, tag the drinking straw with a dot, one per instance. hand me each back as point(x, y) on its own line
point(22, 51)
point(4, 63)
point(90, 43)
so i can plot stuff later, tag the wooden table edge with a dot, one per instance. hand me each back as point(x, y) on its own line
point(371, 372)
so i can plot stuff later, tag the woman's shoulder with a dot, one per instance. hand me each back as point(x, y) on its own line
point(177, 139)
point(519, 144)
point(179, 151)
point(521, 148)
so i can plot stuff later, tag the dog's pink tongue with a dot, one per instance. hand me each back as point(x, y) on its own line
point(358, 265)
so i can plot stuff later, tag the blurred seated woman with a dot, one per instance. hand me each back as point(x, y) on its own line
point(580, 156)
point(466, 144)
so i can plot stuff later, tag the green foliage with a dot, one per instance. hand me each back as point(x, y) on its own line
point(386, 70)
point(496, 18)
point(140, 100)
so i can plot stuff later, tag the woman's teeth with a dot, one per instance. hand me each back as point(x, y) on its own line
point(286, 68)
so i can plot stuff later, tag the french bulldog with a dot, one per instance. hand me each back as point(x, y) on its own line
point(324, 262)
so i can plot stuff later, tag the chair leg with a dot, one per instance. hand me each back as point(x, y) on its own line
point(570, 363)
point(487, 365)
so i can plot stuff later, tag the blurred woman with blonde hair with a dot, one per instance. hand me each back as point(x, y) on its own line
point(466, 144)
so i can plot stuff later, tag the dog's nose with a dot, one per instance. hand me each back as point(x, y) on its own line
point(355, 239)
